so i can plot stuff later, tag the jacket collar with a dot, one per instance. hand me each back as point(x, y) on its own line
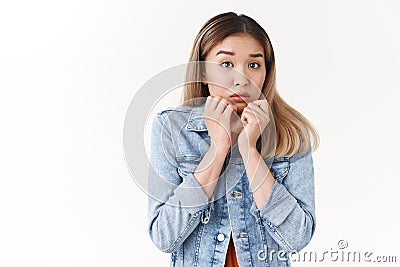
point(195, 121)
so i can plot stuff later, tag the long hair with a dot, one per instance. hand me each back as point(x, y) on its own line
point(293, 131)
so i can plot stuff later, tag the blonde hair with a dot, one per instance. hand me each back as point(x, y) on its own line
point(293, 131)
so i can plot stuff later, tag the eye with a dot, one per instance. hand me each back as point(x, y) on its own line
point(226, 64)
point(254, 65)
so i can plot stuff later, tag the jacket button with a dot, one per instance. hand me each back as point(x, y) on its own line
point(221, 237)
point(241, 235)
point(235, 194)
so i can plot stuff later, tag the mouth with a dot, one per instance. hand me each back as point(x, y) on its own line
point(240, 98)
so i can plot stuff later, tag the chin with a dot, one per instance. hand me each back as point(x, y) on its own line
point(241, 105)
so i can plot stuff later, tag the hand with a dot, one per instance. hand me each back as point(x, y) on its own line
point(217, 116)
point(255, 118)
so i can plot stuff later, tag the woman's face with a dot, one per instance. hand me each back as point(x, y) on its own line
point(239, 72)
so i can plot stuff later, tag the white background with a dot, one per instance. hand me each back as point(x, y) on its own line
point(68, 71)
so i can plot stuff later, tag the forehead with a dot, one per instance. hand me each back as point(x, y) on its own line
point(239, 43)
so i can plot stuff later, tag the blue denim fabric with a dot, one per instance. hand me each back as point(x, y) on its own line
point(195, 230)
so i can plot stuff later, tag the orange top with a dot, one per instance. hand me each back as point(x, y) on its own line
point(231, 260)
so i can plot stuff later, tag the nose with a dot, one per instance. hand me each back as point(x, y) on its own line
point(240, 79)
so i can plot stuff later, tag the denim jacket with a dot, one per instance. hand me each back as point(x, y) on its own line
point(196, 230)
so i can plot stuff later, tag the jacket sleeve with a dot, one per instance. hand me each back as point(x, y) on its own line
point(175, 204)
point(289, 213)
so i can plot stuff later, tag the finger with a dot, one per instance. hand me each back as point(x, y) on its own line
point(231, 106)
point(246, 116)
point(254, 107)
point(227, 113)
point(208, 102)
point(214, 100)
point(243, 119)
point(261, 108)
point(250, 116)
point(229, 110)
point(263, 104)
point(217, 97)
point(258, 112)
point(261, 117)
point(223, 103)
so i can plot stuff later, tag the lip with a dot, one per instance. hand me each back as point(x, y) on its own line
point(241, 97)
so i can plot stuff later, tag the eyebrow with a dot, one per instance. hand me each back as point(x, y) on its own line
point(232, 54)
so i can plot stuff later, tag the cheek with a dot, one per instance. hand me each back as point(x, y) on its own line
point(218, 76)
point(259, 81)
point(217, 90)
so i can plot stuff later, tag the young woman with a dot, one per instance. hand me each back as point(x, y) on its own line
point(216, 199)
